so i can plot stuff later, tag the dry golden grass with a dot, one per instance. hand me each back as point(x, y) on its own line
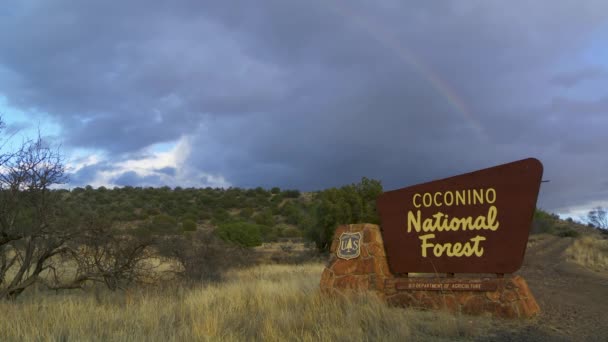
point(590, 252)
point(277, 247)
point(265, 303)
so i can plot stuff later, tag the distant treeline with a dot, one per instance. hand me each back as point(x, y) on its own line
point(247, 217)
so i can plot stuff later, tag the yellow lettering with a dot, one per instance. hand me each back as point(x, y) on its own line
point(480, 222)
point(461, 223)
point(460, 199)
point(445, 198)
point(424, 244)
point(414, 201)
point(476, 249)
point(441, 222)
point(492, 223)
point(477, 196)
point(452, 250)
point(424, 200)
point(427, 225)
point(437, 204)
point(439, 249)
point(493, 192)
point(456, 249)
point(413, 220)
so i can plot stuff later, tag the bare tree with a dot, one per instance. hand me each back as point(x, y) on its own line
point(29, 238)
point(202, 256)
point(598, 216)
point(110, 257)
point(38, 239)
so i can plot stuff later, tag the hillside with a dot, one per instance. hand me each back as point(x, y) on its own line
point(258, 215)
point(183, 248)
point(282, 302)
point(166, 210)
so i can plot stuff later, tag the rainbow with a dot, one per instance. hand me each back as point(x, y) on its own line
point(389, 40)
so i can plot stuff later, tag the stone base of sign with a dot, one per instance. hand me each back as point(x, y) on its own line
point(368, 271)
point(510, 299)
point(507, 297)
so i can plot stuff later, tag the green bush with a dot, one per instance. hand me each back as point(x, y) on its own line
point(292, 213)
point(220, 216)
point(543, 222)
point(241, 233)
point(291, 232)
point(277, 199)
point(191, 216)
point(163, 223)
point(292, 193)
point(125, 215)
point(204, 214)
point(568, 233)
point(152, 211)
point(246, 213)
point(188, 225)
point(265, 218)
point(268, 234)
point(355, 203)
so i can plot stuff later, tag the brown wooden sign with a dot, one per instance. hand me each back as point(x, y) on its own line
point(473, 223)
point(446, 284)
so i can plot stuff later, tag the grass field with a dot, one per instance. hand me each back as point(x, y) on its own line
point(590, 252)
point(265, 303)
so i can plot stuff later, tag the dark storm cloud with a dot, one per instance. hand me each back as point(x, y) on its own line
point(169, 171)
point(569, 79)
point(87, 174)
point(130, 178)
point(320, 93)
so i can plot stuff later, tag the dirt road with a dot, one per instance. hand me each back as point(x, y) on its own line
point(573, 300)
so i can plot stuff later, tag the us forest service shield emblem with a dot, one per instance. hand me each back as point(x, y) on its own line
point(350, 245)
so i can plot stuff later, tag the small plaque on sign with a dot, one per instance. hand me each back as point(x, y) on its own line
point(350, 245)
point(447, 285)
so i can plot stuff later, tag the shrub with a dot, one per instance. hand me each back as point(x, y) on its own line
point(152, 211)
point(568, 233)
point(291, 232)
point(265, 218)
point(190, 215)
point(355, 203)
point(269, 234)
point(220, 216)
point(241, 233)
point(204, 214)
point(543, 222)
point(292, 193)
point(125, 215)
point(292, 213)
point(163, 224)
point(203, 256)
point(188, 225)
point(246, 213)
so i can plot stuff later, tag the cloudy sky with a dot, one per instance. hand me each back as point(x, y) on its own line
point(312, 94)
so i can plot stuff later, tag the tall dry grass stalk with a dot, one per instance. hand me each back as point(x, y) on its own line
point(263, 303)
point(590, 252)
